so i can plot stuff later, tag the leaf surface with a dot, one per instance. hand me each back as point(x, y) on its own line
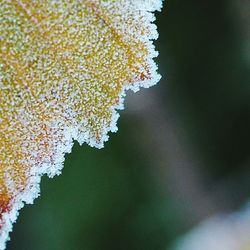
point(64, 69)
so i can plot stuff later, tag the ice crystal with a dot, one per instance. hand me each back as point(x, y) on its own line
point(64, 69)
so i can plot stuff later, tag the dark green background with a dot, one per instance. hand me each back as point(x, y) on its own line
point(181, 153)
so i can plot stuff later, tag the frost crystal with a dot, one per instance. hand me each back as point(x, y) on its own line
point(64, 69)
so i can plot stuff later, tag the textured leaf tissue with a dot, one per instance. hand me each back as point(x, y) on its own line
point(64, 69)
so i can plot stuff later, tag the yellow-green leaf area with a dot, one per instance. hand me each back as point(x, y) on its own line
point(64, 67)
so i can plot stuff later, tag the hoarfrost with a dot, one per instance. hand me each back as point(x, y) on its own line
point(64, 69)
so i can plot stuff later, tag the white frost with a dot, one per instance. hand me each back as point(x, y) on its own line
point(141, 10)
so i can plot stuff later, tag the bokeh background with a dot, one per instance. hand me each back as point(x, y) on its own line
point(182, 152)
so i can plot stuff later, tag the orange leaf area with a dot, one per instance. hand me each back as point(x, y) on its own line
point(64, 69)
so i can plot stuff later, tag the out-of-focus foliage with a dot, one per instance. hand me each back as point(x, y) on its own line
point(224, 232)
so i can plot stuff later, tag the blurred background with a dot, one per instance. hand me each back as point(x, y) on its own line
point(182, 152)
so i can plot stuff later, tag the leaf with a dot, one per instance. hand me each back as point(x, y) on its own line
point(64, 69)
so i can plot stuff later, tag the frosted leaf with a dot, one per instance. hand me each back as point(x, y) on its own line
point(64, 69)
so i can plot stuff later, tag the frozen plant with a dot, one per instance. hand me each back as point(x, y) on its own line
point(64, 69)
